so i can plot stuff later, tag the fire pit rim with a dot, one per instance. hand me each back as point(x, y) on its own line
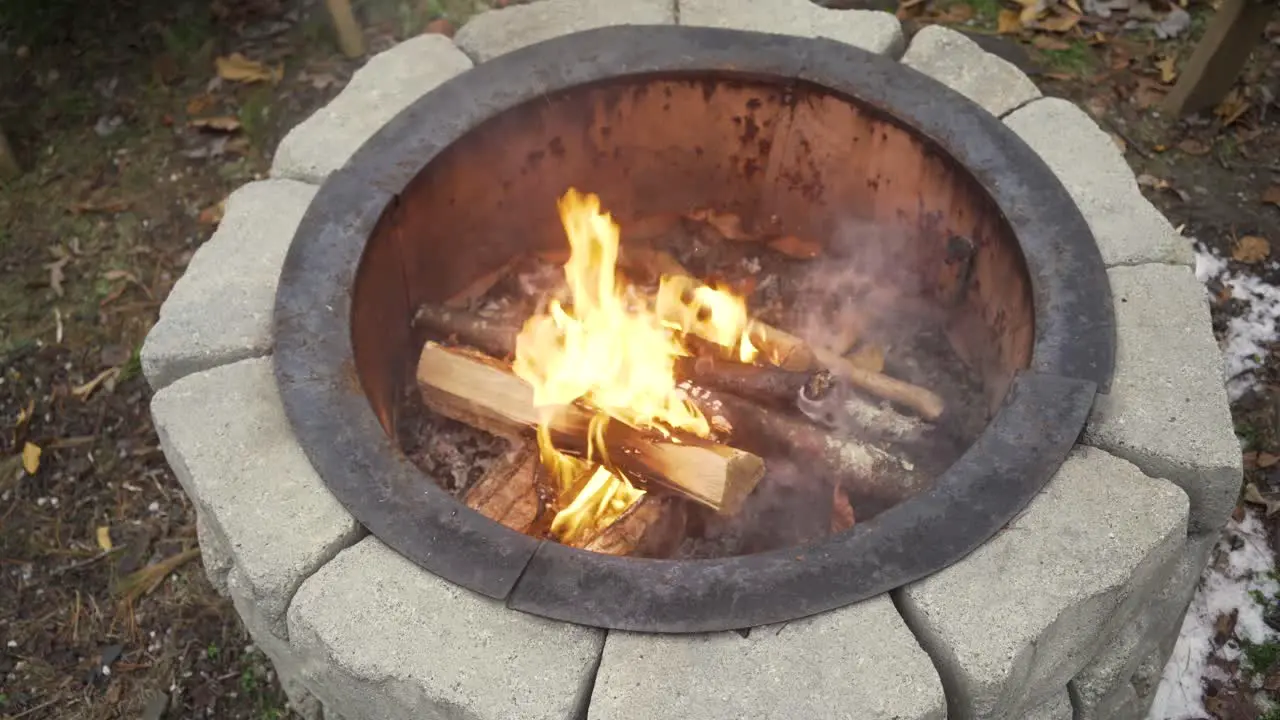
point(1017, 453)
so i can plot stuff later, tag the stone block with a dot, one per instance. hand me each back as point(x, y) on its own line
point(1129, 230)
point(1104, 686)
point(382, 639)
point(498, 32)
point(388, 83)
point(220, 309)
point(1167, 410)
point(872, 30)
point(225, 434)
point(277, 649)
point(859, 662)
point(1057, 707)
point(959, 63)
point(215, 554)
point(1010, 624)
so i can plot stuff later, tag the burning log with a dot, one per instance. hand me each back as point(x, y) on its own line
point(841, 409)
point(626, 533)
point(508, 492)
point(758, 382)
point(476, 389)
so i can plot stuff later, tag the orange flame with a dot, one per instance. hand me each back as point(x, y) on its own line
point(610, 350)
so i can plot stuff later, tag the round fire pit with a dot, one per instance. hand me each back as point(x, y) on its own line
point(1029, 558)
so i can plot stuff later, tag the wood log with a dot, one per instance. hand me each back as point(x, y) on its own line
point(478, 288)
point(476, 389)
point(626, 533)
point(508, 492)
point(844, 410)
point(758, 382)
point(495, 336)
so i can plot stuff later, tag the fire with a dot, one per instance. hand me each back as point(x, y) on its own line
point(614, 350)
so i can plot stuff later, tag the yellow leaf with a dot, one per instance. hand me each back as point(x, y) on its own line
point(1168, 70)
point(31, 458)
point(869, 357)
point(238, 68)
point(221, 123)
point(1251, 249)
point(1059, 23)
point(104, 538)
point(1007, 22)
point(1074, 7)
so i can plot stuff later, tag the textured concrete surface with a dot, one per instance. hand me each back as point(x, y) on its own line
point(859, 662)
point(387, 84)
point(215, 554)
point(1057, 707)
point(225, 434)
point(276, 647)
point(382, 639)
point(498, 32)
point(220, 309)
point(1167, 411)
point(1013, 622)
point(878, 32)
point(1128, 228)
point(957, 62)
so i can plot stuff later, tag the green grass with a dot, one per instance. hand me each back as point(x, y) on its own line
point(1078, 59)
point(1261, 657)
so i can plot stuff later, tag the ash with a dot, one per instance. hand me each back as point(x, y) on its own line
point(453, 454)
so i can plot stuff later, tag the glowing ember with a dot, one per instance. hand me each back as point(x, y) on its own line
point(613, 350)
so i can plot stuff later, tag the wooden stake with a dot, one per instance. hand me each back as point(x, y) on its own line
point(9, 168)
point(350, 36)
point(482, 392)
point(1234, 32)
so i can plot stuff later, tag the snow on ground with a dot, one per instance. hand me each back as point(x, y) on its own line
point(1225, 586)
point(1250, 334)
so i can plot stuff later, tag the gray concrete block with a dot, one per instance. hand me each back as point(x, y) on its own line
point(1009, 625)
point(1057, 707)
point(225, 434)
point(1129, 230)
point(1167, 410)
point(284, 660)
point(858, 662)
point(959, 63)
point(875, 31)
point(498, 32)
point(215, 554)
point(220, 309)
point(1104, 687)
point(388, 83)
point(382, 639)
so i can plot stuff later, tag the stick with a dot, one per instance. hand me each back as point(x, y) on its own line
point(766, 383)
point(480, 391)
point(350, 37)
point(495, 337)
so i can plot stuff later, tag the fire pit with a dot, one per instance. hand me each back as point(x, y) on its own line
point(696, 331)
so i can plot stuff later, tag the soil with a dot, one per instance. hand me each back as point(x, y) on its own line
point(104, 610)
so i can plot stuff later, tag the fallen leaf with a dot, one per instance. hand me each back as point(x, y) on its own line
point(56, 275)
point(727, 224)
point(1048, 42)
point(1192, 146)
point(220, 123)
point(868, 357)
point(238, 68)
point(1253, 496)
point(841, 511)
point(1272, 195)
point(796, 247)
point(1251, 249)
point(1060, 22)
point(1168, 69)
point(104, 538)
point(200, 104)
point(1232, 107)
point(212, 215)
point(106, 377)
point(441, 26)
point(1148, 93)
point(24, 415)
point(957, 13)
point(31, 458)
point(1008, 22)
point(1266, 460)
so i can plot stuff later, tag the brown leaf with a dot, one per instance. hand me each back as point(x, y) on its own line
point(441, 26)
point(1148, 93)
point(1251, 249)
point(841, 511)
point(212, 215)
point(220, 123)
point(727, 224)
point(1253, 496)
point(238, 68)
point(1008, 22)
point(1060, 23)
point(868, 357)
point(796, 247)
point(200, 104)
point(1266, 460)
point(31, 458)
point(1168, 69)
point(1272, 195)
point(1048, 42)
point(1192, 146)
point(957, 13)
point(1232, 107)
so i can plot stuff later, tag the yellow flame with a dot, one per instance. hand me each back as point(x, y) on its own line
point(611, 351)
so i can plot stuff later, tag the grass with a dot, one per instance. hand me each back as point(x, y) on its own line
point(1078, 59)
point(1261, 657)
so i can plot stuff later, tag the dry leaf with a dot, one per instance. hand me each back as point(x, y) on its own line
point(727, 224)
point(31, 458)
point(1148, 93)
point(1048, 42)
point(1168, 69)
point(220, 123)
point(238, 68)
point(1008, 22)
point(1255, 497)
point(1272, 195)
point(1251, 249)
point(841, 511)
point(795, 247)
point(868, 357)
point(1266, 460)
point(212, 215)
point(1191, 146)
point(441, 26)
point(107, 377)
point(1232, 108)
point(957, 13)
point(1075, 7)
point(200, 104)
point(104, 538)
point(1059, 23)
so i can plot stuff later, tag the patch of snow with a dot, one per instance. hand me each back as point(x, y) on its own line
point(1249, 335)
point(1225, 586)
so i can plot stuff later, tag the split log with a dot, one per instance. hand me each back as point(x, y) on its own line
point(626, 533)
point(758, 382)
point(476, 389)
point(508, 492)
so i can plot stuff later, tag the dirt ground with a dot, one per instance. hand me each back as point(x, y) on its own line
point(131, 136)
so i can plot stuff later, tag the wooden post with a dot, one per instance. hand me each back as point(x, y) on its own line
point(9, 168)
point(350, 36)
point(1234, 31)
